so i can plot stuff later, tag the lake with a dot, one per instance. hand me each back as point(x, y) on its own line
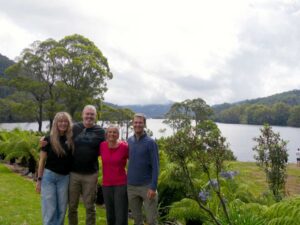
point(239, 136)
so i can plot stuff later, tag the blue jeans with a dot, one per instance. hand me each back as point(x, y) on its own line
point(54, 197)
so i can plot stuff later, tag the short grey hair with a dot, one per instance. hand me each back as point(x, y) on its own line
point(90, 107)
point(114, 126)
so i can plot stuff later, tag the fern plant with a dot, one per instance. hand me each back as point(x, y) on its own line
point(19, 144)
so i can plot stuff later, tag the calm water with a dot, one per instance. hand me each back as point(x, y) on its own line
point(240, 137)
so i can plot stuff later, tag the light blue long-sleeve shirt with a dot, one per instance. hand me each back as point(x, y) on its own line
point(143, 166)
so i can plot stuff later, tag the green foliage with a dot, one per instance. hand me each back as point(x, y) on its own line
point(284, 212)
point(181, 114)
point(259, 114)
point(155, 111)
point(294, 119)
point(17, 107)
point(245, 213)
point(279, 109)
point(198, 153)
point(170, 187)
point(272, 156)
point(178, 116)
point(4, 63)
point(232, 114)
point(60, 75)
point(245, 204)
point(120, 116)
point(19, 144)
point(281, 113)
point(187, 209)
point(84, 72)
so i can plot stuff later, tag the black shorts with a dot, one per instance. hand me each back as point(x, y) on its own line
point(298, 159)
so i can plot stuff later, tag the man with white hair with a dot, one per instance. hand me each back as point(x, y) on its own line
point(87, 137)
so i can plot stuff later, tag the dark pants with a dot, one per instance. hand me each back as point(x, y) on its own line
point(116, 204)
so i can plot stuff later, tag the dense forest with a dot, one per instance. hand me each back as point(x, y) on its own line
point(156, 111)
point(4, 63)
point(280, 109)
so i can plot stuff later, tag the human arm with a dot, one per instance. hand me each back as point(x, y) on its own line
point(155, 170)
point(43, 142)
point(42, 162)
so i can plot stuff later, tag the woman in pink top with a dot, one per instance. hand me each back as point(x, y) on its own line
point(114, 155)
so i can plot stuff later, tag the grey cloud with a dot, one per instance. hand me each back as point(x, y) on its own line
point(270, 35)
point(261, 46)
point(47, 17)
point(194, 83)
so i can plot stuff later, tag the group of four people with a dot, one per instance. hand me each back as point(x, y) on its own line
point(68, 168)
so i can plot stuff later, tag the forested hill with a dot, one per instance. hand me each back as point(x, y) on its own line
point(156, 111)
point(279, 109)
point(4, 63)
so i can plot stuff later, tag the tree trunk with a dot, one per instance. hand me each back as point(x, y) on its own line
point(127, 130)
point(50, 123)
point(40, 119)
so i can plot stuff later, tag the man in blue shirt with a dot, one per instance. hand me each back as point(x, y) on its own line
point(143, 169)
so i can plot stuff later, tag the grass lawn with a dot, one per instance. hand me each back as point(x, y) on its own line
point(250, 174)
point(20, 204)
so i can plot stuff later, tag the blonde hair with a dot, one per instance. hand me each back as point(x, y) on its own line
point(55, 135)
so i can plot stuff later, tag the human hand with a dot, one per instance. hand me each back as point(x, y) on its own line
point(38, 187)
point(151, 194)
point(43, 143)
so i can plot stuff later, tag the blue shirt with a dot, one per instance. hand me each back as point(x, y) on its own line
point(143, 166)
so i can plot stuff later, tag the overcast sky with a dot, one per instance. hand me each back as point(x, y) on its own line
point(171, 50)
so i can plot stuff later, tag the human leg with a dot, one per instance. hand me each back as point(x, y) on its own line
point(150, 206)
point(89, 190)
point(108, 195)
point(62, 197)
point(121, 205)
point(135, 204)
point(74, 193)
point(48, 192)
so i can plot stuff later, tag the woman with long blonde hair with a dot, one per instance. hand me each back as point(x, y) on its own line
point(54, 168)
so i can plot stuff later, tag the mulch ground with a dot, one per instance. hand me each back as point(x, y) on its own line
point(21, 170)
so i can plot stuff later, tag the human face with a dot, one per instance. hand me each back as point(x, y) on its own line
point(88, 117)
point(138, 125)
point(62, 125)
point(112, 134)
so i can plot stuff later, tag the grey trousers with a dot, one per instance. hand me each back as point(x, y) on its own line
point(116, 204)
point(137, 197)
point(86, 185)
